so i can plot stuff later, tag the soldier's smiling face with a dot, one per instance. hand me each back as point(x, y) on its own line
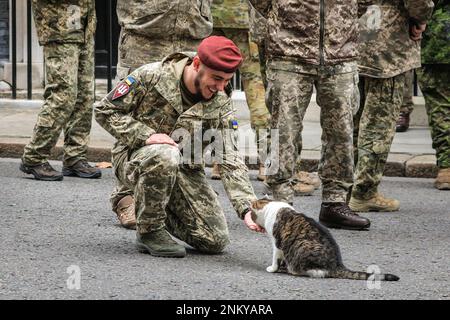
point(209, 81)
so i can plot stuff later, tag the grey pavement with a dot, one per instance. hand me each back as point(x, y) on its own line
point(411, 153)
point(50, 232)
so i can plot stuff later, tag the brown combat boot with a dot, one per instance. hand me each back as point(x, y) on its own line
point(376, 203)
point(402, 124)
point(43, 171)
point(338, 215)
point(126, 212)
point(311, 178)
point(303, 189)
point(82, 169)
point(215, 174)
point(443, 179)
point(261, 176)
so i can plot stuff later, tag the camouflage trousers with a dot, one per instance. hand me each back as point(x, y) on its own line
point(408, 104)
point(374, 131)
point(434, 82)
point(251, 77)
point(69, 96)
point(290, 94)
point(169, 195)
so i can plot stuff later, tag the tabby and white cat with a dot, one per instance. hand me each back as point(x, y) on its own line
point(306, 247)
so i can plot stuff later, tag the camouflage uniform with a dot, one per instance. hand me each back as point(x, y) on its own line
point(408, 104)
point(169, 193)
point(434, 80)
point(303, 53)
point(386, 53)
point(66, 30)
point(183, 23)
point(231, 19)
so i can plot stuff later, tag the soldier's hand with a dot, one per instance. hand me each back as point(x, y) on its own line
point(251, 224)
point(160, 138)
point(416, 30)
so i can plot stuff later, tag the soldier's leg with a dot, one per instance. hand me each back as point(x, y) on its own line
point(151, 173)
point(290, 94)
point(434, 82)
point(194, 214)
point(336, 98)
point(408, 105)
point(383, 98)
point(78, 127)
point(61, 61)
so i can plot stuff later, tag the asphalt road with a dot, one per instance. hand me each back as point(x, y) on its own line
point(59, 240)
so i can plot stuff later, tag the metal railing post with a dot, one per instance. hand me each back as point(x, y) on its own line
point(14, 48)
point(29, 56)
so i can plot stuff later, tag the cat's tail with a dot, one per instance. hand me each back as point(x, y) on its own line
point(344, 273)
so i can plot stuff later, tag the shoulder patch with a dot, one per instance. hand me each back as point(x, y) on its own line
point(121, 89)
point(234, 124)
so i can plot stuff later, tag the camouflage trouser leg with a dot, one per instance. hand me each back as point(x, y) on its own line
point(375, 129)
point(336, 97)
point(67, 66)
point(170, 196)
point(252, 81)
point(434, 82)
point(408, 104)
point(77, 129)
point(290, 94)
point(194, 214)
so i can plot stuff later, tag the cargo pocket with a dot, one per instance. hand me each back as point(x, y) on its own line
point(45, 122)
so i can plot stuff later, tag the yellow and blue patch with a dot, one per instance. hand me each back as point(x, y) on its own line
point(234, 124)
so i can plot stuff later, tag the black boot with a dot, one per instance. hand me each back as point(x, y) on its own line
point(82, 169)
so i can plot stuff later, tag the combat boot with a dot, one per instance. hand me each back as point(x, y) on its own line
point(159, 244)
point(338, 215)
point(82, 169)
point(215, 174)
point(261, 176)
point(303, 189)
point(309, 178)
point(126, 212)
point(402, 124)
point(43, 171)
point(376, 203)
point(443, 179)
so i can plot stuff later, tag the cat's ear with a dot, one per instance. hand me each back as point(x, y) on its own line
point(266, 197)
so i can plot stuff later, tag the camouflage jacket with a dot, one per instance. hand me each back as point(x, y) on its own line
point(315, 32)
point(153, 104)
point(436, 39)
point(231, 14)
point(385, 47)
point(166, 18)
point(69, 21)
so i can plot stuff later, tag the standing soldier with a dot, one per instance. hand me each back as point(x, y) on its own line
point(231, 19)
point(434, 80)
point(150, 31)
point(66, 30)
point(388, 48)
point(312, 44)
point(157, 109)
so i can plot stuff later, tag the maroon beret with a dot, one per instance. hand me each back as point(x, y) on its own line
point(220, 53)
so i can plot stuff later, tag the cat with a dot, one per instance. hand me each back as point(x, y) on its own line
point(305, 246)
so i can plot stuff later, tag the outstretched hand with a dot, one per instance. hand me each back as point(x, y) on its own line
point(251, 224)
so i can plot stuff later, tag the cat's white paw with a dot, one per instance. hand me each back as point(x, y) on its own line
point(271, 269)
